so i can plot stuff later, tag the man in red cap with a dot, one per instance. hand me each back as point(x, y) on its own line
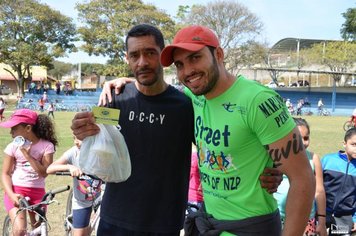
point(154, 119)
point(241, 127)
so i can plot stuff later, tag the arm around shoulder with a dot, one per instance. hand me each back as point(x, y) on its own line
point(117, 85)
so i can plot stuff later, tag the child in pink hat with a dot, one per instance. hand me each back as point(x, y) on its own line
point(24, 166)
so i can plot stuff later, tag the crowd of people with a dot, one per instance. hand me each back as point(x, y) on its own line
point(41, 87)
point(245, 140)
point(38, 87)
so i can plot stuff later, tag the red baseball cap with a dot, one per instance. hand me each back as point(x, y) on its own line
point(25, 116)
point(191, 38)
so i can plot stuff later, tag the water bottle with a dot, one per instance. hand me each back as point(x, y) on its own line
point(20, 141)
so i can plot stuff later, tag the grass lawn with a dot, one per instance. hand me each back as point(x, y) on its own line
point(326, 136)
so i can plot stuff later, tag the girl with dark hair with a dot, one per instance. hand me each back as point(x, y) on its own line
point(26, 161)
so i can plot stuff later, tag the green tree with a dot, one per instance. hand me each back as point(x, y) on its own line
point(92, 68)
point(252, 53)
point(32, 33)
point(60, 69)
point(337, 56)
point(183, 10)
point(181, 16)
point(106, 22)
point(116, 67)
point(299, 59)
point(235, 26)
point(348, 29)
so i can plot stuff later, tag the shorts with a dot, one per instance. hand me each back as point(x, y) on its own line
point(35, 195)
point(81, 217)
point(106, 228)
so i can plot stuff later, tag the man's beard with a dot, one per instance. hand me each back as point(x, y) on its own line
point(150, 82)
point(213, 76)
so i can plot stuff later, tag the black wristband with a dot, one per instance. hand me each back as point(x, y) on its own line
point(321, 215)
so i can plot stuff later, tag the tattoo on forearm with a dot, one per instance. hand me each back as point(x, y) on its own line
point(293, 146)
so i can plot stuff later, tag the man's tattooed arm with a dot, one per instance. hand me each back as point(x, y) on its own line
point(289, 156)
point(292, 147)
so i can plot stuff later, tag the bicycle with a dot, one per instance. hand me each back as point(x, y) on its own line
point(95, 217)
point(324, 112)
point(307, 112)
point(28, 104)
point(60, 106)
point(80, 107)
point(42, 225)
point(348, 125)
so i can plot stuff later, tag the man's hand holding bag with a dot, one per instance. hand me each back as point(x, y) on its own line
point(106, 155)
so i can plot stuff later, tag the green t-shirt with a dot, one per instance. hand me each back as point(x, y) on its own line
point(231, 132)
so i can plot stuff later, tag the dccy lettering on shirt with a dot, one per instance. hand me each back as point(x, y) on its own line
point(142, 117)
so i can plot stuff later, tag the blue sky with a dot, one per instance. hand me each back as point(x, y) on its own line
point(314, 19)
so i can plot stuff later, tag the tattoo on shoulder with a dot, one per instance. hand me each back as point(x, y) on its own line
point(295, 145)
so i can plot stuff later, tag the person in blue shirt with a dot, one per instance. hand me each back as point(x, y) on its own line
point(339, 172)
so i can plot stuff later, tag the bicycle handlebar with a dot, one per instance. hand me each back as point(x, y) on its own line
point(46, 199)
point(53, 192)
point(60, 189)
point(83, 176)
point(66, 173)
point(24, 202)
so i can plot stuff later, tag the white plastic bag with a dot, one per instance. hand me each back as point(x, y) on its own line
point(106, 155)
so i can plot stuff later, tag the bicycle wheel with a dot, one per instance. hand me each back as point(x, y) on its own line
point(69, 214)
point(94, 220)
point(85, 107)
point(326, 113)
point(348, 125)
point(65, 107)
point(308, 113)
point(73, 108)
point(7, 227)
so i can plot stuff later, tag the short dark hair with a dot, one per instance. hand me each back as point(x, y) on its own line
point(146, 30)
point(349, 133)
